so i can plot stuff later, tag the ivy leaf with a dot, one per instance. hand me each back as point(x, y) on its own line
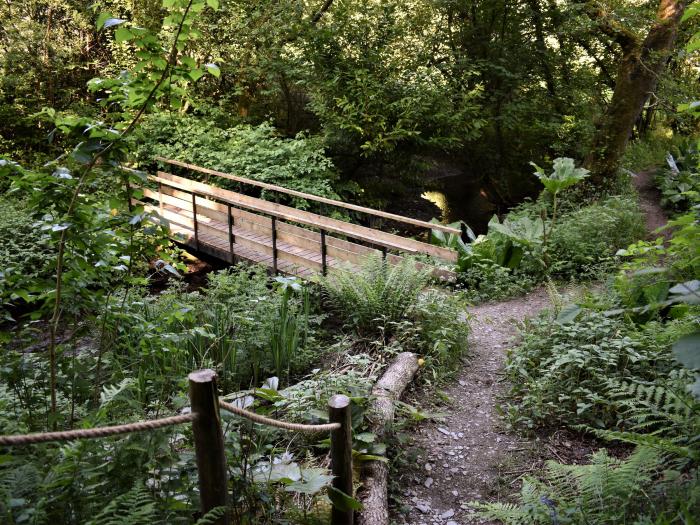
point(213, 69)
point(214, 4)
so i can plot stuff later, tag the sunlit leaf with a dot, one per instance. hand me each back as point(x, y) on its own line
point(213, 69)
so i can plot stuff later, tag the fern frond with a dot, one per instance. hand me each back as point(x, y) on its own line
point(212, 516)
point(135, 507)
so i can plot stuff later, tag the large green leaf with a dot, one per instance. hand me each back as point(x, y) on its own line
point(311, 482)
point(342, 501)
point(687, 351)
point(565, 174)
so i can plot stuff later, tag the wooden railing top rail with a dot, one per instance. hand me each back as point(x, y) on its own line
point(280, 211)
point(316, 198)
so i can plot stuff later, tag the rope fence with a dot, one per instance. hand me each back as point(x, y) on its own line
point(92, 433)
point(209, 441)
point(284, 425)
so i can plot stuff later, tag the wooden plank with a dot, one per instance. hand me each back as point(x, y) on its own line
point(316, 198)
point(339, 251)
point(217, 247)
point(285, 212)
point(219, 231)
point(337, 248)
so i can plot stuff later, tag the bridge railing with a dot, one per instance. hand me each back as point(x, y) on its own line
point(180, 201)
point(209, 441)
point(314, 198)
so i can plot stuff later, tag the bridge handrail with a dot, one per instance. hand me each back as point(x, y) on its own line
point(280, 211)
point(316, 198)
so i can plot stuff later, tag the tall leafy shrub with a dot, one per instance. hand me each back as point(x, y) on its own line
point(255, 152)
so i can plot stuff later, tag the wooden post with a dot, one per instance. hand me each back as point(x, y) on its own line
point(324, 253)
point(194, 215)
point(209, 443)
point(274, 245)
point(230, 232)
point(341, 454)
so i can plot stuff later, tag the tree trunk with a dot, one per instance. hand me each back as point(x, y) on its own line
point(637, 75)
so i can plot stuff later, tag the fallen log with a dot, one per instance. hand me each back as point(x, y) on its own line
point(374, 475)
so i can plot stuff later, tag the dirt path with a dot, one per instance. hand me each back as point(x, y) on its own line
point(649, 198)
point(470, 456)
point(466, 456)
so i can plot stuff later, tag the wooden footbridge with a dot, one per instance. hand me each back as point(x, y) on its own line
point(233, 227)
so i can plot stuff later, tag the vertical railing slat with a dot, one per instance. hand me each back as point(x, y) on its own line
point(230, 232)
point(324, 253)
point(274, 245)
point(194, 214)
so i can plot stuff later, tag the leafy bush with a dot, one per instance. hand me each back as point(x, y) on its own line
point(588, 238)
point(244, 324)
point(487, 281)
point(255, 152)
point(680, 181)
point(658, 276)
point(640, 489)
point(552, 237)
point(377, 295)
point(562, 373)
point(442, 329)
point(25, 250)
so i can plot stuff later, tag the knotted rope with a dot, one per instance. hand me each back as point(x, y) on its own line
point(88, 433)
point(295, 427)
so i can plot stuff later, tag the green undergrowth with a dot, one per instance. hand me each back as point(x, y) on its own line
point(256, 152)
point(622, 365)
point(566, 234)
point(280, 346)
point(24, 251)
point(395, 304)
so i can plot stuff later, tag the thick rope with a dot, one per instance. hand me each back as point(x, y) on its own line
point(295, 427)
point(90, 433)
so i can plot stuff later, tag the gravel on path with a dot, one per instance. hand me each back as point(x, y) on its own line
point(464, 456)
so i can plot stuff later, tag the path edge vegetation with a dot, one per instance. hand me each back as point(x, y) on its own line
point(116, 347)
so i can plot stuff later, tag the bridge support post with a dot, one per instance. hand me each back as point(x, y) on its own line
point(274, 245)
point(194, 216)
point(230, 232)
point(324, 253)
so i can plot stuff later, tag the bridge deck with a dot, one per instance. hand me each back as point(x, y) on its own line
point(232, 226)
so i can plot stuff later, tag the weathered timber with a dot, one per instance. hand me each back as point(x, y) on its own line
point(209, 443)
point(339, 411)
point(280, 211)
point(375, 474)
point(315, 198)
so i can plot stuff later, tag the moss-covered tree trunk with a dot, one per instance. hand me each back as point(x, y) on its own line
point(638, 71)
